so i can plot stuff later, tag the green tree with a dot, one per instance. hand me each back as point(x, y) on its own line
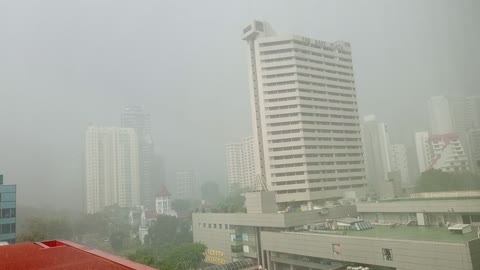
point(234, 202)
point(162, 230)
point(437, 181)
point(184, 257)
point(181, 205)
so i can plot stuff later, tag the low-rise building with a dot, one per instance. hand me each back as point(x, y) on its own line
point(335, 238)
point(429, 210)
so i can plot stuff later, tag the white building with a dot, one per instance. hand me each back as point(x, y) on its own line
point(441, 152)
point(112, 175)
point(305, 116)
point(241, 163)
point(439, 115)
point(186, 186)
point(163, 202)
point(423, 149)
point(399, 161)
point(448, 153)
point(376, 144)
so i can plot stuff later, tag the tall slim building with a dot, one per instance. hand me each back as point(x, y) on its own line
point(399, 161)
point(473, 136)
point(112, 172)
point(135, 117)
point(423, 149)
point(186, 185)
point(8, 212)
point(439, 115)
point(241, 163)
point(305, 116)
point(376, 144)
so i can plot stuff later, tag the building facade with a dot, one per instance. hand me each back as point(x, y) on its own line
point(8, 212)
point(399, 161)
point(241, 164)
point(186, 185)
point(112, 168)
point(339, 237)
point(448, 153)
point(423, 150)
point(306, 127)
point(376, 144)
point(439, 115)
point(135, 117)
point(473, 137)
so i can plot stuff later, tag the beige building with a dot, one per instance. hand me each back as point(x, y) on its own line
point(112, 174)
point(399, 161)
point(373, 235)
point(186, 185)
point(305, 116)
point(241, 164)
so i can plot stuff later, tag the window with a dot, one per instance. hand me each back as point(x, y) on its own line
point(209, 225)
point(387, 254)
point(214, 226)
point(244, 237)
point(5, 228)
point(6, 213)
point(219, 226)
point(226, 226)
point(336, 248)
point(204, 225)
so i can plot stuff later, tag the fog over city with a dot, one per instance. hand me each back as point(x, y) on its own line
point(65, 65)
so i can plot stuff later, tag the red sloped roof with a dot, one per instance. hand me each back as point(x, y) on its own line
point(163, 191)
point(59, 255)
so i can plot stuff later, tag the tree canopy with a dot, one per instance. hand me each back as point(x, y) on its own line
point(438, 181)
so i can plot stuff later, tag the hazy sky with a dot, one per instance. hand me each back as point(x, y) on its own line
point(65, 64)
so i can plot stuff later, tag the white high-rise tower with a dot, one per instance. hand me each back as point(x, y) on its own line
point(241, 163)
point(305, 116)
point(112, 175)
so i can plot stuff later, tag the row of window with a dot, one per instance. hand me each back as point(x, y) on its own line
point(7, 197)
point(306, 122)
point(8, 212)
point(295, 114)
point(7, 228)
point(314, 181)
point(214, 226)
point(309, 83)
point(290, 191)
point(314, 147)
point(293, 106)
point(301, 90)
point(320, 139)
point(336, 101)
point(316, 172)
point(325, 163)
point(308, 75)
point(322, 155)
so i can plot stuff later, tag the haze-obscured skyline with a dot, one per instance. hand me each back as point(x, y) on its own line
point(66, 64)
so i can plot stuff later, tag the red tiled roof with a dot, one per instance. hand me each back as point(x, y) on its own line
point(163, 191)
point(59, 255)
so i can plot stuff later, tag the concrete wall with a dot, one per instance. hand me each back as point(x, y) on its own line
point(261, 202)
point(275, 220)
point(407, 255)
